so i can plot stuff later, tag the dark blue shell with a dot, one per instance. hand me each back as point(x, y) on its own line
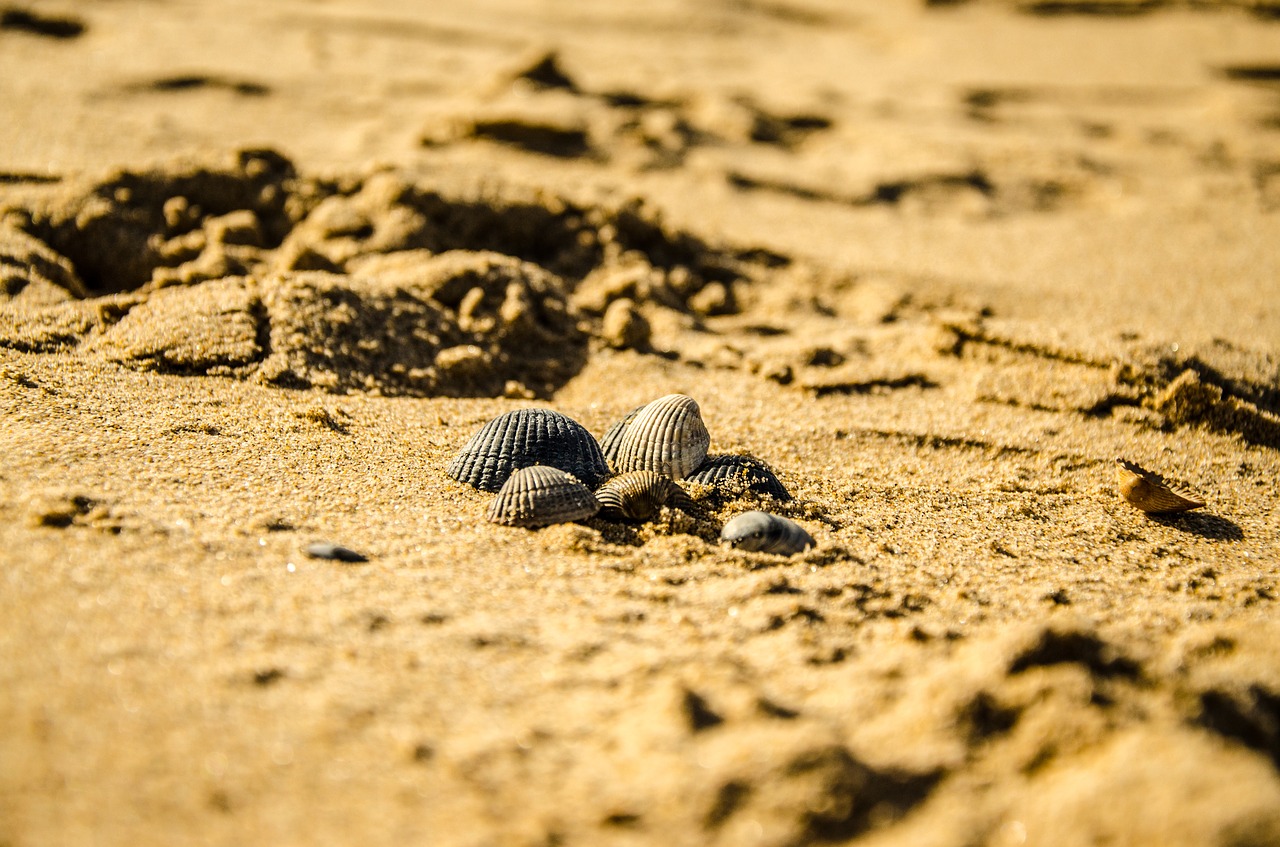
point(739, 474)
point(527, 437)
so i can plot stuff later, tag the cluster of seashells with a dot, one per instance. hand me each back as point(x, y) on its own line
point(546, 468)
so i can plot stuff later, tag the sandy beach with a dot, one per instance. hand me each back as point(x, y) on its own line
point(266, 268)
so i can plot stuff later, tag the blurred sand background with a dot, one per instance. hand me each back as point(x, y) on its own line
point(265, 267)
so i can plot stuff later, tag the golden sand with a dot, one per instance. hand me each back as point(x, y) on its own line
point(265, 268)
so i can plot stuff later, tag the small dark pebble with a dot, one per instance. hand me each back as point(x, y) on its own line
point(325, 550)
point(267, 676)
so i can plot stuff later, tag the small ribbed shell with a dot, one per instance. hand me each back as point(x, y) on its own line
point(666, 436)
point(1151, 492)
point(762, 532)
point(525, 437)
point(739, 474)
point(639, 495)
point(540, 496)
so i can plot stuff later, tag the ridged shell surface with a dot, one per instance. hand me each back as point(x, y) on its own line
point(525, 437)
point(613, 437)
point(666, 436)
point(740, 473)
point(540, 496)
point(639, 495)
point(763, 532)
point(1151, 492)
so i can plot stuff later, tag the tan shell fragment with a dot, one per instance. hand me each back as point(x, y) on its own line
point(1151, 492)
point(667, 436)
point(639, 495)
point(540, 496)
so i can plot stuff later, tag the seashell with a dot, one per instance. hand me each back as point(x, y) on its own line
point(639, 495)
point(525, 437)
point(667, 436)
point(539, 496)
point(1151, 492)
point(613, 437)
point(763, 532)
point(739, 474)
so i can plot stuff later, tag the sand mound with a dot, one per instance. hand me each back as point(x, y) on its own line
point(32, 272)
point(384, 284)
point(211, 328)
point(243, 268)
point(457, 324)
point(461, 323)
point(117, 232)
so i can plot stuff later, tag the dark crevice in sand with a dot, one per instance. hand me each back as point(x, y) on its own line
point(936, 193)
point(730, 797)
point(934, 442)
point(19, 177)
point(1251, 73)
point(196, 82)
point(1265, 9)
point(267, 677)
point(336, 421)
point(194, 429)
point(401, 29)
point(1056, 647)
point(752, 183)
point(545, 72)
point(973, 333)
point(984, 717)
point(66, 511)
point(786, 131)
point(698, 712)
point(871, 386)
point(863, 796)
point(622, 820)
point(261, 317)
point(981, 100)
point(23, 20)
point(1107, 405)
point(782, 12)
point(1250, 716)
point(564, 142)
point(893, 191)
point(1123, 8)
point(24, 381)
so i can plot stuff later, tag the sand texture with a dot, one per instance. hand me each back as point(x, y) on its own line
point(265, 268)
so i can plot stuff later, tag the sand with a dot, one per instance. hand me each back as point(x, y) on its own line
point(265, 268)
